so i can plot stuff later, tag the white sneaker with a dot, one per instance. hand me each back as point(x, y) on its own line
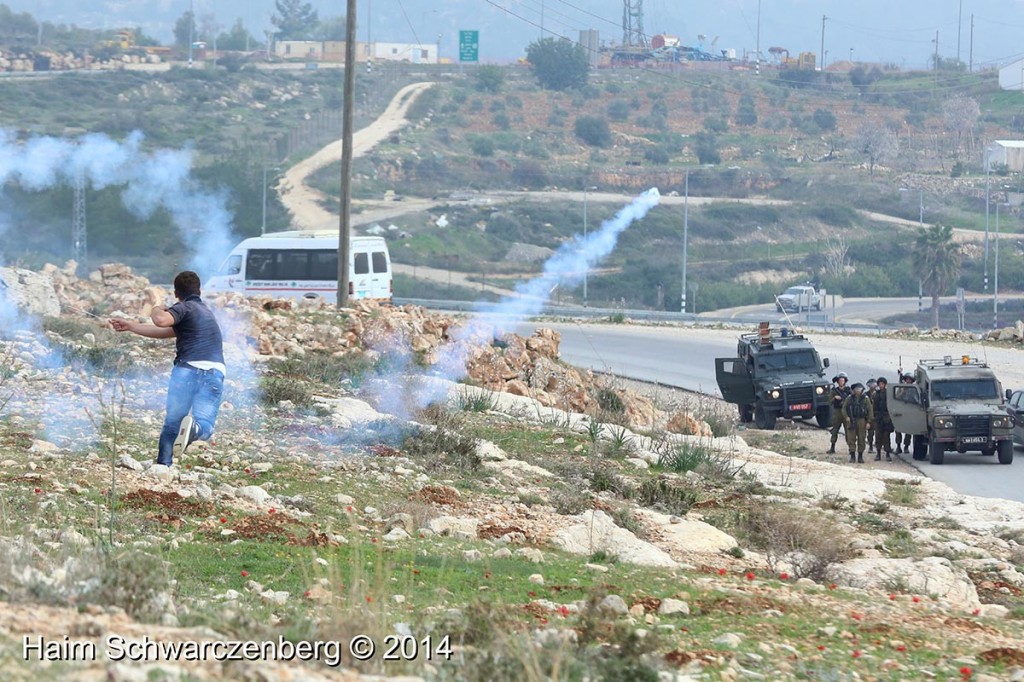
point(186, 434)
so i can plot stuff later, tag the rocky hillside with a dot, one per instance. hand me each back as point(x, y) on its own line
point(533, 523)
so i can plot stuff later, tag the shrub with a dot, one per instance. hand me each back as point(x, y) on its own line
point(530, 174)
point(593, 130)
point(618, 110)
point(656, 155)
point(716, 124)
point(490, 78)
point(442, 445)
point(482, 145)
point(746, 112)
point(824, 119)
point(705, 146)
point(805, 540)
point(666, 494)
point(501, 120)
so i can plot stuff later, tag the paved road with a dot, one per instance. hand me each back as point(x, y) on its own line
point(851, 310)
point(684, 357)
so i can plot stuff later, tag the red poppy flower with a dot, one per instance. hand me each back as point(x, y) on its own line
point(245, 574)
point(271, 510)
point(856, 653)
point(223, 520)
point(901, 647)
point(37, 491)
point(966, 672)
point(750, 575)
point(247, 470)
point(783, 576)
point(563, 611)
point(916, 599)
point(832, 586)
point(369, 599)
point(892, 597)
point(856, 616)
point(821, 647)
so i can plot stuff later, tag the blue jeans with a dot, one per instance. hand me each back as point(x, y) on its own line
point(192, 389)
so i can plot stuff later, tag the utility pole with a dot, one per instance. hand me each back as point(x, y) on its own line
point(191, 25)
point(79, 235)
point(995, 283)
point(970, 68)
point(823, 18)
point(936, 58)
point(686, 229)
point(757, 48)
point(959, 26)
point(344, 229)
point(987, 196)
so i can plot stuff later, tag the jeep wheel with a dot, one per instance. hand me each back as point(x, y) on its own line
point(1006, 452)
point(746, 414)
point(823, 416)
point(764, 419)
point(936, 453)
point(920, 448)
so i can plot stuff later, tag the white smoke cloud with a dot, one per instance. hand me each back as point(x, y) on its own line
point(152, 180)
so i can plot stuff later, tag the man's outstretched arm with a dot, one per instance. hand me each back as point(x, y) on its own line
point(150, 331)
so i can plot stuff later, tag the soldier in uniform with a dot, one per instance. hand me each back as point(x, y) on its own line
point(903, 440)
point(870, 392)
point(839, 393)
point(883, 422)
point(857, 414)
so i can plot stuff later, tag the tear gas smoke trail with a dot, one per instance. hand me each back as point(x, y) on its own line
point(564, 268)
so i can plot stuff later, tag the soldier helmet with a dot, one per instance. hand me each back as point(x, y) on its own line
point(857, 385)
point(907, 378)
point(871, 382)
point(883, 380)
point(841, 375)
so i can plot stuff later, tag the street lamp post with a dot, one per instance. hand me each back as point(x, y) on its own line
point(987, 197)
point(995, 282)
point(586, 267)
point(686, 230)
point(263, 223)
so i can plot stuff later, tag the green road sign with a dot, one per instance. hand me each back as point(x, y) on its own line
point(469, 46)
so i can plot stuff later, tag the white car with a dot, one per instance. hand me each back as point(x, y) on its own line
point(798, 298)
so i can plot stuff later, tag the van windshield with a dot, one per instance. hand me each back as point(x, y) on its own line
point(231, 266)
point(964, 389)
point(796, 291)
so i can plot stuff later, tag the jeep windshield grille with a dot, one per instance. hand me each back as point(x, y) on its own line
point(793, 361)
point(965, 389)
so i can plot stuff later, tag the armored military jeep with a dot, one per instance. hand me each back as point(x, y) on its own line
point(775, 374)
point(955, 405)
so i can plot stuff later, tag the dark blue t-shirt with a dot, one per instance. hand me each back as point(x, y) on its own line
point(197, 334)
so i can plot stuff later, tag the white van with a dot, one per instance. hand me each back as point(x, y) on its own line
point(304, 265)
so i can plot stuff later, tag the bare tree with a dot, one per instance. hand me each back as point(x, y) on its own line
point(876, 144)
point(960, 115)
point(836, 256)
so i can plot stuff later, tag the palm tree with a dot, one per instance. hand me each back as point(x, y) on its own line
point(936, 260)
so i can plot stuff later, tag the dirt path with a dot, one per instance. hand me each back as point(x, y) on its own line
point(305, 202)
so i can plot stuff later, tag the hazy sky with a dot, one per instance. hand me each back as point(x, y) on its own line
point(897, 31)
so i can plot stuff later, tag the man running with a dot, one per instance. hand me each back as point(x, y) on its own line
point(197, 379)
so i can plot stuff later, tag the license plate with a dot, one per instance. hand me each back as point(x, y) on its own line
point(800, 406)
point(974, 439)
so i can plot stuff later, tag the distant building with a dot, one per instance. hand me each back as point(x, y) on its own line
point(1011, 76)
point(591, 42)
point(414, 53)
point(334, 51)
point(1009, 153)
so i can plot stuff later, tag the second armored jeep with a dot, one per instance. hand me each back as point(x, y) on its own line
point(954, 405)
point(775, 374)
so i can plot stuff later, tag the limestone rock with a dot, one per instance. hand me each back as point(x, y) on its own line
point(253, 493)
point(596, 532)
point(929, 576)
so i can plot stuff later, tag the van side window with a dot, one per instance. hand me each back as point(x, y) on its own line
point(323, 265)
point(380, 262)
point(259, 265)
point(362, 264)
point(292, 264)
